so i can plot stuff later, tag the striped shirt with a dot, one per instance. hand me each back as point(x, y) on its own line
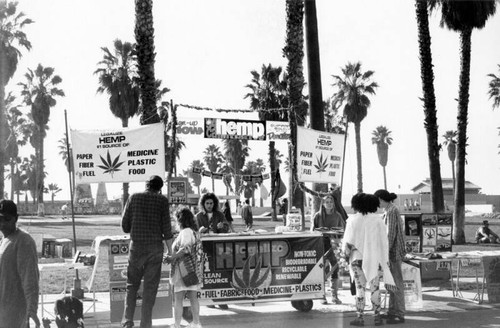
point(146, 217)
point(394, 225)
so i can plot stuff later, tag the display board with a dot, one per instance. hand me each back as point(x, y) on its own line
point(427, 232)
point(254, 268)
point(118, 251)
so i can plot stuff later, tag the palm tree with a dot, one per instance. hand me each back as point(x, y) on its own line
point(40, 91)
point(236, 151)
point(451, 145)
point(429, 100)
point(19, 134)
point(12, 38)
point(294, 52)
point(214, 159)
point(253, 168)
point(268, 91)
point(117, 74)
point(463, 17)
point(195, 176)
point(494, 89)
point(144, 39)
point(53, 190)
point(353, 88)
point(382, 138)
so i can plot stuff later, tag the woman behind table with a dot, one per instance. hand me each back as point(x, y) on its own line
point(227, 214)
point(182, 245)
point(365, 244)
point(329, 217)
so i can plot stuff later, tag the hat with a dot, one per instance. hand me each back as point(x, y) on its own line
point(485, 222)
point(8, 208)
point(154, 182)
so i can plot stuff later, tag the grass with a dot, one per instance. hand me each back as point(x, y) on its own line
point(88, 227)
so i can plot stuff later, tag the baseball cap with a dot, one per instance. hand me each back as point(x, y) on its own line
point(7, 208)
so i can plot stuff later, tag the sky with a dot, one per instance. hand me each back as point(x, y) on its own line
point(205, 51)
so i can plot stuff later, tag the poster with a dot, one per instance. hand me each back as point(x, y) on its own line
point(278, 267)
point(177, 190)
point(125, 155)
point(190, 127)
point(319, 156)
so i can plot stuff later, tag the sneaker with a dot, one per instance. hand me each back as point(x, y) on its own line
point(194, 325)
point(223, 306)
point(359, 322)
point(378, 321)
point(393, 320)
point(335, 300)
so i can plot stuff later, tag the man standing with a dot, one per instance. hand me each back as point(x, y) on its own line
point(246, 214)
point(146, 217)
point(397, 252)
point(18, 271)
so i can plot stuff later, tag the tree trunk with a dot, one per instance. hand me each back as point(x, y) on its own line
point(13, 180)
point(144, 38)
point(272, 167)
point(385, 178)
point(430, 121)
point(453, 177)
point(40, 173)
point(463, 103)
point(213, 185)
point(357, 130)
point(3, 122)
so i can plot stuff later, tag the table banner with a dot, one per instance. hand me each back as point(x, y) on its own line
point(412, 285)
point(125, 155)
point(242, 270)
point(491, 266)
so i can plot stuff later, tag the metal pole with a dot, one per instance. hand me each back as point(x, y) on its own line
point(70, 160)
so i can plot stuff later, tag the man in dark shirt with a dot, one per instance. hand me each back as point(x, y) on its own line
point(146, 217)
point(485, 235)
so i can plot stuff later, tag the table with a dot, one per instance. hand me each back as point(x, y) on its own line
point(60, 267)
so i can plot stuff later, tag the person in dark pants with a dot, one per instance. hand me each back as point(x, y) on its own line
point(227, 214)
point(146, 217)
point(246, 215)
point(397, 251)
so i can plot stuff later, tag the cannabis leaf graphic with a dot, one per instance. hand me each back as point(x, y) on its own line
point(110, 165)
point(248, 278)
point(321, 164)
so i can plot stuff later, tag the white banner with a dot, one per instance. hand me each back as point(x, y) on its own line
point(277, 130)
point(319, 156)
point(125, 155)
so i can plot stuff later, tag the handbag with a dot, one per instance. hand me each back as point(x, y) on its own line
point(187, 270)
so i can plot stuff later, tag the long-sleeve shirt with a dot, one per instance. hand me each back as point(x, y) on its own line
point(147, 218)
point(202, 220)
point(19, 278)
point(394, 225)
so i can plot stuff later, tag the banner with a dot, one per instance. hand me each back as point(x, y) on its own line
point(221, 128)
point(275, 267)
point(277, 130)
point(189, 127)
point(412, 285)
point(125, 155)
point(319, 156)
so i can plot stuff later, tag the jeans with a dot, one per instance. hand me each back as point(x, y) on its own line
point(143, 262)
point(397, 298)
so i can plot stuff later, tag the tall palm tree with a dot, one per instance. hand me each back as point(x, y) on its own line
point(382, 138)
point(236, 151)
point(494, 89)
point(214, 159)
point(429, 100)
point(117, 75)
point(12, 39)
point(18, 137)
point(144, 39)
point(294, 52)
point(194, 176)
point(268, 91)
point(40, 92)
point(463, 17)
point(450, 142)
point(353, 89)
